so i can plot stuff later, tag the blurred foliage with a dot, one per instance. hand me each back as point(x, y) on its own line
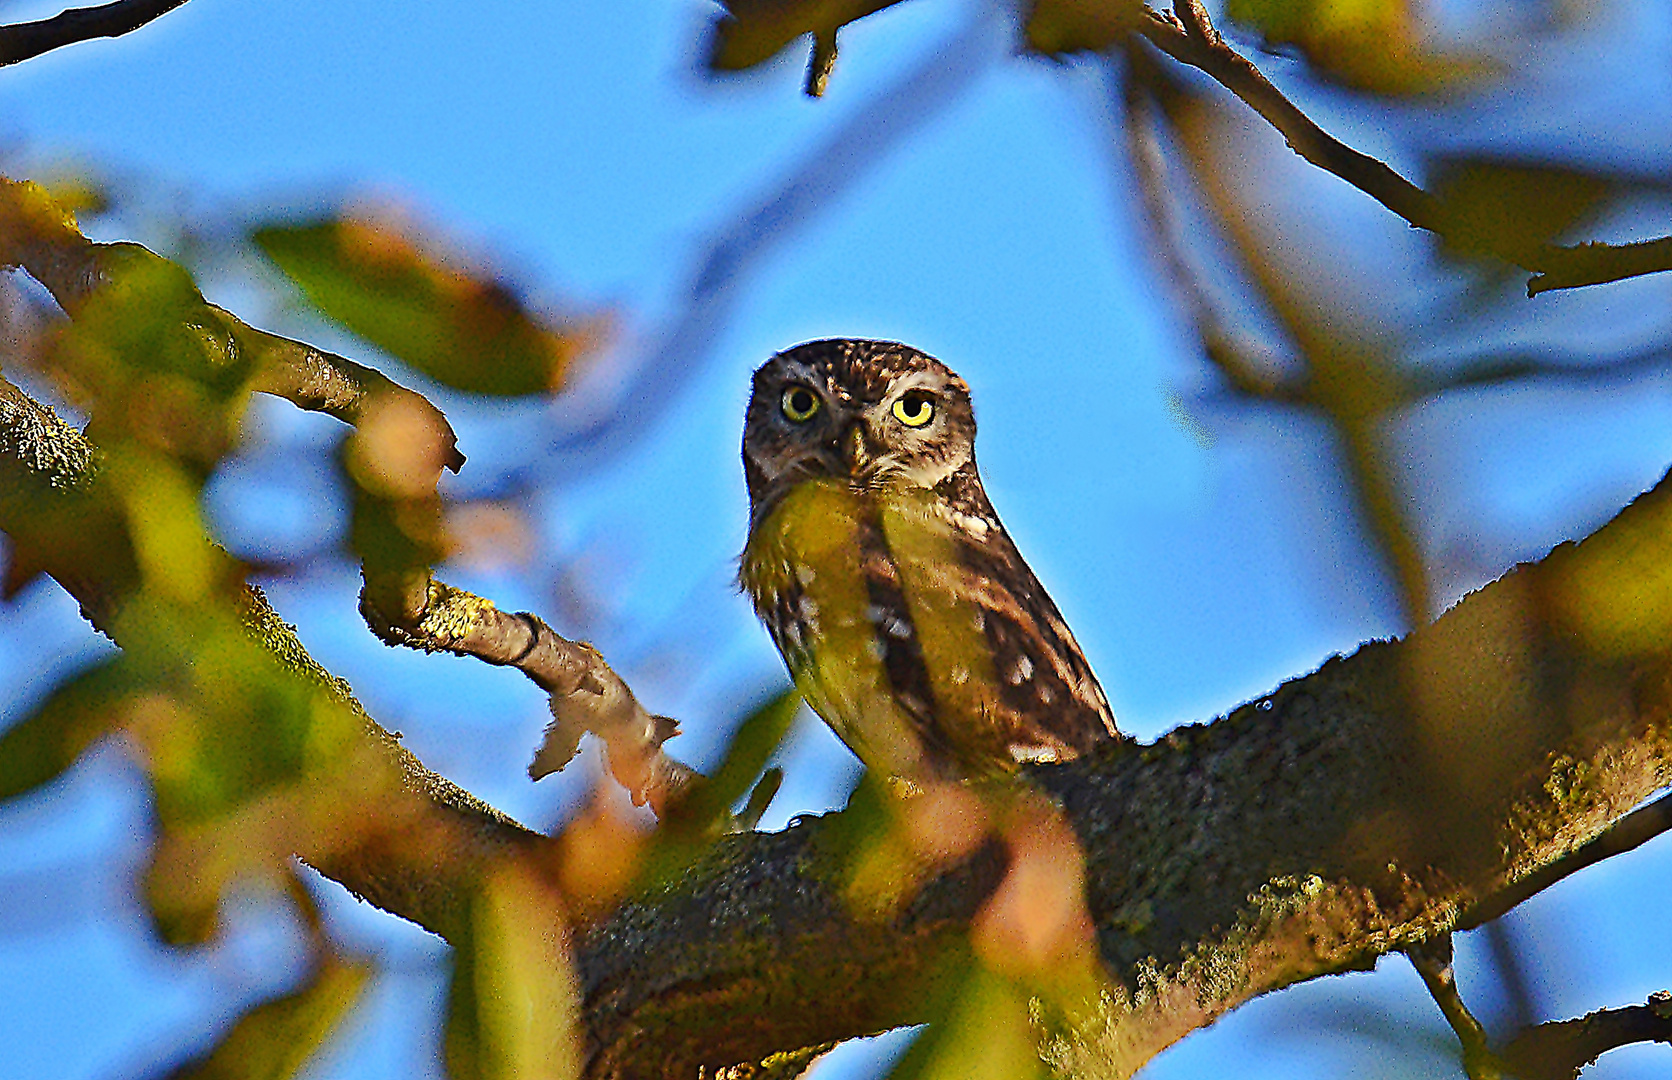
point(1372, 45)
point(706, 811)
point(751, 31)
point(408, 299)
point(154, 363)
point(1057, 27)
point(275, 1039)
point(1494, 206)
point(513, 1000)
point(250, 761)
point(983, 1031)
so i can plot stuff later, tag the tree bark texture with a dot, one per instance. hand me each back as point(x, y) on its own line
point(1370, 804)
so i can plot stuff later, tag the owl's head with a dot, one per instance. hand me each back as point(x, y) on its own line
point(875, 413)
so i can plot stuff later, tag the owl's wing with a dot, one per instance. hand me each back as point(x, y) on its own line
point(1048, 700)
point(1048, 696)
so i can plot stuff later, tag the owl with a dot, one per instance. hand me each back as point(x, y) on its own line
point(901, 607)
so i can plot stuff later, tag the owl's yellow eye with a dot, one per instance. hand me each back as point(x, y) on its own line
point(800, 404)
point(915, 408)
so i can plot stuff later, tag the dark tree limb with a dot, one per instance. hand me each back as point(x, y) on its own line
point(1346, 377)
point(1190, 38)
point(1598, 263)
point(1354, 811)
point(1560, 1049)
point(22, 41)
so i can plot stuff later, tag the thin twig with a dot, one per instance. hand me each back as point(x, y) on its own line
point(1598, 263)
point(1245, 374)
point(821, 63)
point(1348, 381)
point(23, 41)
point(1197, 44)
point(1432, 959)
point(1636, 828)
point(318, 381)
point(1498, 369)
point(1190, 38)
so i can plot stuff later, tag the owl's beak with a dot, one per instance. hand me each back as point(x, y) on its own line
point(856, 448)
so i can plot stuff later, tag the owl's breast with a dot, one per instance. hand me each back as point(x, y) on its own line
point(803, 572)
point(878, 617)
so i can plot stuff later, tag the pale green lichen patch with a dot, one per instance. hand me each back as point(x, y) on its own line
point(451, 615)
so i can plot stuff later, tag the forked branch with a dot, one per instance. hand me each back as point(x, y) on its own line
point(1190, 38)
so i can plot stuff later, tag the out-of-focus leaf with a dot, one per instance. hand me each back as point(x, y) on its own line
point(757, 737)
point(249, 761)
point(985, 1034)
point(1056, 27)
point(692, 823)
point(460, 329)
point(276, 1038)
point(153, 361)
point(751, 31)
point(170, 538)
point(78, 193)
point(393, 460)
point(512, 1009)
point(1373, 45)
point(1618, 599)
point(1500, 206)
point(597, 855)
point(38, 748)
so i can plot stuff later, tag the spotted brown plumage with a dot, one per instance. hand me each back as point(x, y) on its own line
point(903, 609)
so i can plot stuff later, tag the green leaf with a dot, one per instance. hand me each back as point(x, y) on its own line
point(39, 748)
point(757, 737)
point(1058, 27)
point(1499, 207)
point(512, 1004)
point(276, 1038)
point(705, 811)
point(469, 332)
point(755, 30)
point(1373, 45)
point(155, 362)
point(984, 1033)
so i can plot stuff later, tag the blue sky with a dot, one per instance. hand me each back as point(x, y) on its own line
point(990, 223)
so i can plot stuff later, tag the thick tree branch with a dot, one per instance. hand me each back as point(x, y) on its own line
point(1304, 833)
point(1188, 37)
point(21, 41)
point(1355, 811)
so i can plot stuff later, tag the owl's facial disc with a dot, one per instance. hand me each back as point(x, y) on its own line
point(876, 414)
